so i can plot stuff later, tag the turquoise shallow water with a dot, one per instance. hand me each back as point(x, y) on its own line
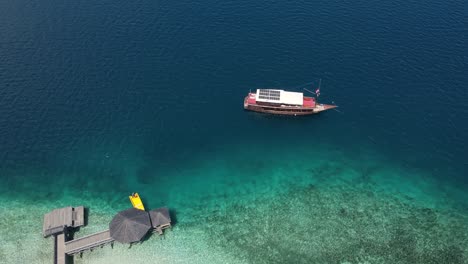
point(260, 207)
point(99, 100)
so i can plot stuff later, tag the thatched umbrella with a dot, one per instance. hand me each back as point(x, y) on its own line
point(130, 225)
point(160, 217)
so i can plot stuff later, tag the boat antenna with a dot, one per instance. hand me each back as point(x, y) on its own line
point(309, 91)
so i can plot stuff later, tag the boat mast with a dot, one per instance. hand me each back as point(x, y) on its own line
point(317, 92)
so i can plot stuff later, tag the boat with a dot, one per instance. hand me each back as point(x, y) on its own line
point(136, 201)
point(281, 102)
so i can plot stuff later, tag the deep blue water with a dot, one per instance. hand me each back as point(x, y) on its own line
point(168, 78)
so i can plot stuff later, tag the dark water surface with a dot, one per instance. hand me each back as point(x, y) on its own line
point(166, 76)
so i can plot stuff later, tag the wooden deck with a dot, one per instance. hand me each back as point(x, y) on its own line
point(59, 220)
point(95, 240)
point(60, 257)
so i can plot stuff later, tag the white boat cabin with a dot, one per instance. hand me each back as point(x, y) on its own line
point(279, 97)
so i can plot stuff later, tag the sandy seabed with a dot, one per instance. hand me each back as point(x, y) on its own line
point(239, 209)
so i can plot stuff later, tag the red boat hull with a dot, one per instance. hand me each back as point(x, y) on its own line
point(287, 110)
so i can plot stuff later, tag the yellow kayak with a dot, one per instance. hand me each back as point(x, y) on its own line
point(136, 201)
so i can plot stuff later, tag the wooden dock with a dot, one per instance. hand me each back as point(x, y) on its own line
point(62, 223)
point(64, 250)
point(59, 249)
point(59, 220)
point(90, 242)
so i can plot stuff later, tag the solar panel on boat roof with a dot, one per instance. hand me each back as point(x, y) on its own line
point(272, 95)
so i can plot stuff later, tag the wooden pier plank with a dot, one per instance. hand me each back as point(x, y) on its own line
point(88, 242)
point(59, 219)
point(78, 216)
point(60, 257)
